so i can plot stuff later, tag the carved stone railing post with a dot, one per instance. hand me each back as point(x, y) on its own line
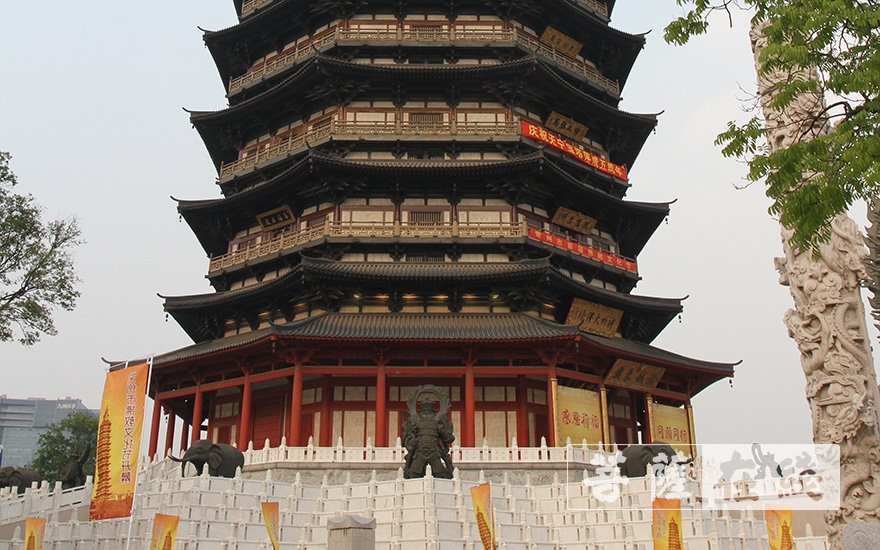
point(828, 322)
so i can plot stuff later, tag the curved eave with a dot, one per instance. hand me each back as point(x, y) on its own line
point(664, 309)
point(382, 273)
point(709, 371)
point(637, 220)
point(250, 34)
point(278, 100)
point(391, 328)
point(279, 13)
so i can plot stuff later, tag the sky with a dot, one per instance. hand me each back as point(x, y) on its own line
point(91, 108)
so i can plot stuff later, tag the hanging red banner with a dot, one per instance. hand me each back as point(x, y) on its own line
point(583, 250)
point(536, 132)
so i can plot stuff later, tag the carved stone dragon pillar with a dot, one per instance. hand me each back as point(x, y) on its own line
point(828, 324)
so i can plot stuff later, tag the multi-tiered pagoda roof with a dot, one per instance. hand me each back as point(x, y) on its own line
point(425, 191)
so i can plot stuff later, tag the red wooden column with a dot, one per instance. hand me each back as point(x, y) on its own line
point(324, 438)
point(551, 403)
point(197, 415)
point(184, 434)
point(244, 429)
point(169, 433)
point(154, 426)
point(522, 412)
point(381, 407)
point(467, 421)
point(294, 433)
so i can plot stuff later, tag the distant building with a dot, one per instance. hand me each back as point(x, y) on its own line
point(23, 420)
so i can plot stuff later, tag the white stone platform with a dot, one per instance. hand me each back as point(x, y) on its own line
point(430, 513)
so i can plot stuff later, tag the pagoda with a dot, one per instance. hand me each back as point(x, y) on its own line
point(422, 192)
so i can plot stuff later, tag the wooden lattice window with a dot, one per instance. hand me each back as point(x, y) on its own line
point(425, 218)
point(426, 257)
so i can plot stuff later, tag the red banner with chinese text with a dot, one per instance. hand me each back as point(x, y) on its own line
point(119, 439)
point(583, 250)
point(536, 132)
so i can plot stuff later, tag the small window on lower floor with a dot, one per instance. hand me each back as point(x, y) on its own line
point(431, 257)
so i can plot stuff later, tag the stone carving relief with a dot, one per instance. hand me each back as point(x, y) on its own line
point(828, 323)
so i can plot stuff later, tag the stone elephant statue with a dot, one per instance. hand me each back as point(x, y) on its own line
point(222, 459)
point(640, 459)
point(10, 476)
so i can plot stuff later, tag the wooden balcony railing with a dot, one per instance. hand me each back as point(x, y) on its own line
point(414, 230)
point(570, 63)
point(445, 34)
point(367, 128)
point(367, 230)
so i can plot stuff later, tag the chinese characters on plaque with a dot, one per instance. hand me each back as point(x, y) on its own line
point(573, 220)
point(562, 43)
point(594, 318)
point(566, 126)
point(633, 375)
point(276, 218)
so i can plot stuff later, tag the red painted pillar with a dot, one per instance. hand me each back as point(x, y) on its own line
point(169, 433)
point(295, 431)
point(467, 422)
point(522, 412)
point(244, 429)
point(324, 438)
point(197, 416)
point(381, 408)
point(551, 404)
point(154, 427)
point(184, 434)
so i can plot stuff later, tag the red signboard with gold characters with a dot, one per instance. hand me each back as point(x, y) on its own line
point(536, 132)
point(584, 250)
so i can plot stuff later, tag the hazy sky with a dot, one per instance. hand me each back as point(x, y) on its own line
point(91, 110)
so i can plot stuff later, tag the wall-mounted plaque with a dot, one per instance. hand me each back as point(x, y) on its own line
point(633, 375)
point(573, 220)
point(276, 218)
point(594, 318)
point(565, 44)
point(566, 126)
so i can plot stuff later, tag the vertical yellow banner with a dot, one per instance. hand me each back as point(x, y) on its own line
point(779, 528)
point(119, 441)
point(34, 532)
point(482, 498)
point(270, 518)
point(164, 532)
point(580, 416)
point(667, 524)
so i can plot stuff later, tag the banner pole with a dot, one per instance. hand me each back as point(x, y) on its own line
point(137, 472)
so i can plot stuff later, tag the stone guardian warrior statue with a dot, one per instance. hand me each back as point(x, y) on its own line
point(427, 434)
point(828, 322)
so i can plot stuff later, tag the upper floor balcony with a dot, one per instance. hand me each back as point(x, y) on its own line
point(442, 32)
point(274, 246)
point(268, 151)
